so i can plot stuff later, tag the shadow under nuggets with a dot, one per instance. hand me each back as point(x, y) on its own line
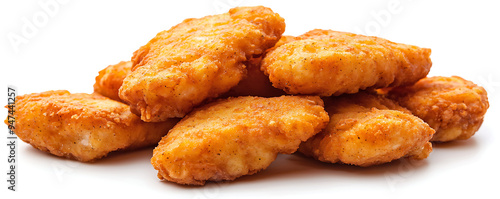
point(297, 167)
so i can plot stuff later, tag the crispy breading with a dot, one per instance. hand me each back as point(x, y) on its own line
point(255, 83)
point(283, 40)
point(82, 126)
point(233, 137)
point(196, 60)
point(452, 106)
point(109, 80)
point(368, 129)
point(326, 62)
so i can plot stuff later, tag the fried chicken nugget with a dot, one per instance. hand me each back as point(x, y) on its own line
point(326, 62)
point(233, 137)
point(80, 126)
point(367, 129)
point(109, 80)
point(196, 60)
point(255, 83)
point(452, 106)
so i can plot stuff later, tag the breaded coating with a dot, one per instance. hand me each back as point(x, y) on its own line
point(283, 40)
point(452, 106)
point(233, 137)
point(255, 83)
point(80, 126)
point(367, 129)
point(196, 60)
point(109, 80)
point(326, 62)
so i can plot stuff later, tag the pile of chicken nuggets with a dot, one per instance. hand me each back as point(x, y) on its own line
point(221, 96)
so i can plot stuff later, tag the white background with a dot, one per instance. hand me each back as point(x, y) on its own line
point(69, 43)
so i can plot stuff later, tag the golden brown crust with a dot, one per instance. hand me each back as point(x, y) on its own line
point(326, 62)
point(196, 60)
point(452, 106)
point(109, 80)
point(233, 137)
point(283, 40)
point(364, 131)
point(255, 83)
point(81, 126)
